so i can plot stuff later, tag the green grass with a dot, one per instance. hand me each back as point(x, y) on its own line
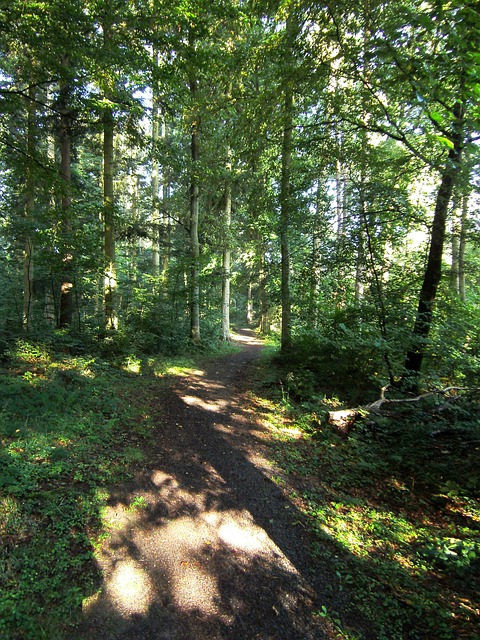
point(68, 431)
point(393, 510)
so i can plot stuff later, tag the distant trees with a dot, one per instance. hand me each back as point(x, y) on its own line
point(301, 164)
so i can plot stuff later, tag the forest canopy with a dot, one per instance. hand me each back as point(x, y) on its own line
point(311, 168)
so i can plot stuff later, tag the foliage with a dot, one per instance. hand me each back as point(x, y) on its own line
point(394, 507)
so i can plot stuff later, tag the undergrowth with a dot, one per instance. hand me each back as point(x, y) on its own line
point(392, 511)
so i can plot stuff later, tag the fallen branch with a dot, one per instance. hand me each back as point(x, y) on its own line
point(344, 419)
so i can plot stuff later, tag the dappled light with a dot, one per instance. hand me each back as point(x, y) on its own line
point(216, 406)
point(131, 588)
point(240, 320)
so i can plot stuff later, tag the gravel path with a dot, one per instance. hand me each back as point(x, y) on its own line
point(215, 554)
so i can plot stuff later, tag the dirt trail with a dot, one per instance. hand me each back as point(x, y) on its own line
point(215, 553)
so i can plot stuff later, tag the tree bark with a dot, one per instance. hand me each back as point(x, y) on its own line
point(262, 292)
point(461, 249)
point(29, 209)
point(249, 304)
point(155, 176)
point(285, 214)
point(194, 220)
point(455, 273)
point(316, 256)
point(359, 267)
point(226, 258)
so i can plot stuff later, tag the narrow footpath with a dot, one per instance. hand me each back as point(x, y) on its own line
point(212, 551)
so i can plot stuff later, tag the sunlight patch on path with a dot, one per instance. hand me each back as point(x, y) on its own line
point(179, 559)
point(216, 406)
point(128, 585)
point(131, 587)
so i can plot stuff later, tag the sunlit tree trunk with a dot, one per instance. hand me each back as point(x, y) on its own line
point(226, 258)
point(250, 303)
point(340, 196)
point(110, 284)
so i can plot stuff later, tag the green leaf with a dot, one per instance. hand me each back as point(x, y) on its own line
point(445, 141)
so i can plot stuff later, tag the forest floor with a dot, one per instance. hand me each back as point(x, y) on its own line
point(212, 547)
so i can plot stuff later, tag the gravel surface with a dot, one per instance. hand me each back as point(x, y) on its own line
point(215, 553)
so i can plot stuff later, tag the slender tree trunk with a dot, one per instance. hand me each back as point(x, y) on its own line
point(461, 249)
point(194, 220)
point(110, 283)
point(285, 214)
point(133, 244)
point(359, 267)
point(339, 193)
point(167, 226)
point(226, 263)
point(433, 272)
point(455, 274)
point(155, 176)
point(249, 303)
point(67, 284)
point(292, 30)
point(29, 209)
point(262, 291)
point(316, 244)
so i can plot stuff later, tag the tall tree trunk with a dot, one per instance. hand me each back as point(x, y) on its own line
point(110, 283)
point(461, 248)
point(29, 208)
point(339, 196)
point(291, 32)
point(194, 220)
point(262, 291)
point(167, 226)
point(433, 272)
point(455, 273)
point(67, 284)
point(249, 303)
point(316, 256)
point(155, 175)
point(285, 214)
point(226, 262)
point(359, 267)
point(133, 244)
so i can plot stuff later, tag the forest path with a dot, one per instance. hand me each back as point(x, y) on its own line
point(214, 552)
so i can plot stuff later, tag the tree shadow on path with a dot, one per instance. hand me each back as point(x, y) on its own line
point(217, 551)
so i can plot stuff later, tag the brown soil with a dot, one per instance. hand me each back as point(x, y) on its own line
point(217, 552)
